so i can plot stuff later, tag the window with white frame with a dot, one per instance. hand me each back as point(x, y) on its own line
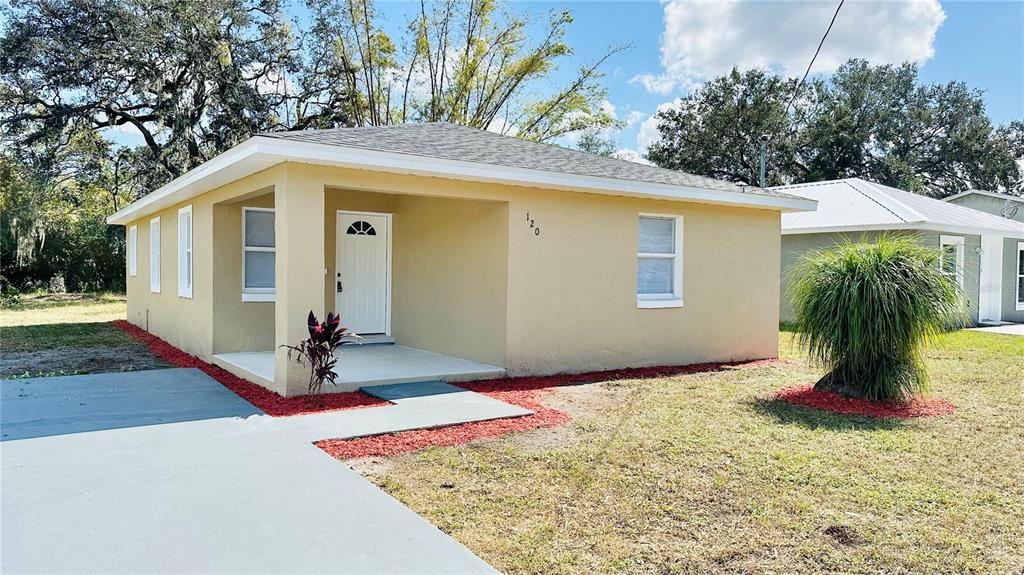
point(154, 255)
point(258, 254)
point(185, 252)
point(951, 257)
point(659, 265)
point(1020, 276)
point(133, 251)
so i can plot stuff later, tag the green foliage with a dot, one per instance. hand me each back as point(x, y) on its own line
point(865, 312)
point(875, 122)
point(320, 349)
point(82, 79)
point(594, 142)
point(55, 225)
point(464, 62)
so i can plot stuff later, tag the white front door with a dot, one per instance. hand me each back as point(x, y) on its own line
point(990, 296)
point(361, 272)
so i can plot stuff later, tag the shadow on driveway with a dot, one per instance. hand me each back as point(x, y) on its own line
point(45, 406)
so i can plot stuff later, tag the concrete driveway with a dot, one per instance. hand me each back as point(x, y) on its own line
point(145, 479)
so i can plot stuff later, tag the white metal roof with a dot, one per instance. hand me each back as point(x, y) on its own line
point(853, 204)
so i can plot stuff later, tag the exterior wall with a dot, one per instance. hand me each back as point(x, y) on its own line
point(184, 322)
point(1010, 312)
point(795, 246)
point(238, 325)
point(572, 289)
point(189, 323)
point(472, 278)
point(449, 264)
point(989, 205)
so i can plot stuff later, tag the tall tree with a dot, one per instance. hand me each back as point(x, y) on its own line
point(876, 122)
point(463, 62)
point(191, 78)
point(188, 77)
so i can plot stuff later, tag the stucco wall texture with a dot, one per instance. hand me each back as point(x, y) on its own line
point(471, 277)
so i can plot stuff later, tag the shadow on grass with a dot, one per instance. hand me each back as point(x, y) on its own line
point(790, 414)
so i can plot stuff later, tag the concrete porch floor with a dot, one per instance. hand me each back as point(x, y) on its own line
point(368, 365)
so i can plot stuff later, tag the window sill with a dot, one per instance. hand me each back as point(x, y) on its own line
point(658, 303)
point(258, 296)
point(185, 296)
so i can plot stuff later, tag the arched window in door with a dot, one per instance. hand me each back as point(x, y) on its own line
point(361, 228)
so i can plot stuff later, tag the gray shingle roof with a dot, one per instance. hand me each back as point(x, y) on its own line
point(455, 142)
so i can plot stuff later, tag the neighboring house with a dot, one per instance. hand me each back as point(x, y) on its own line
point(984, 252)
point(1009, 207)
point(525, 256)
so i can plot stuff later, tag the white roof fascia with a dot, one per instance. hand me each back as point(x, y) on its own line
point(259, 153)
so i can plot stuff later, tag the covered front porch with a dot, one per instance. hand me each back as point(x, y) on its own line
point(368, 365)
point(397, 261)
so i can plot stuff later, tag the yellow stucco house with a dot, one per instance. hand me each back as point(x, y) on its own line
point(455, 244)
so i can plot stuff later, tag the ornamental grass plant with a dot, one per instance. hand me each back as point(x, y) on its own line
point(866, 311)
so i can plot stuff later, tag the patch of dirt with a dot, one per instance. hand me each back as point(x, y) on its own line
point(844, 535)
point(580, 402)
point(66, 360)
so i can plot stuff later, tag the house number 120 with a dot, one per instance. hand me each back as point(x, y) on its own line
point(536, 230)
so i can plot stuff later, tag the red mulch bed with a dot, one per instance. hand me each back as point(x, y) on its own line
point(806, 396)
point(521, 391)
point(271, 403)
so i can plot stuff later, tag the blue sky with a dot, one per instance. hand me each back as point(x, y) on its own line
point(680, 43)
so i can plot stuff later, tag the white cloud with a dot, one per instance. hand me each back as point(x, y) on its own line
point(630, 155)
point(649, 127)
point(703, 39)
point(657, 83)
point(634, 117)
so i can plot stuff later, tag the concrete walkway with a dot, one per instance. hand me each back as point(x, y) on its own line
point(1011, 329)
point(208, 489)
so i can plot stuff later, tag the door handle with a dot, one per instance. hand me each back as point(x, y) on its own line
point(340, 287)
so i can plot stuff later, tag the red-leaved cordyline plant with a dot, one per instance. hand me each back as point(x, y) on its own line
point(319, 349)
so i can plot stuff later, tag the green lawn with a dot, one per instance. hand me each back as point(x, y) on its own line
point(704, 474)
point(68, 334)
point(40, 323)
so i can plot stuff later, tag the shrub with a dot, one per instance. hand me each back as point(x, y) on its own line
point(865, 311)
point(318, 350)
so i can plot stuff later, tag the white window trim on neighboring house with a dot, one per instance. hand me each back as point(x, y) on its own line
point(957, 241)
point(666, 300)
point(154, 255)
point(185, 265)
point(255, 294)
point(1018, 276)
point(133, 251)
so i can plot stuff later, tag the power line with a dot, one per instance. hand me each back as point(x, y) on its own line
point(815, 57)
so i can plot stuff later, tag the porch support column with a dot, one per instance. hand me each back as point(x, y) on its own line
point(299, 269)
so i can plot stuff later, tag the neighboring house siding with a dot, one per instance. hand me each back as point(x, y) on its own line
point(795, 246)
point(1010, 264)
point(989, 205)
